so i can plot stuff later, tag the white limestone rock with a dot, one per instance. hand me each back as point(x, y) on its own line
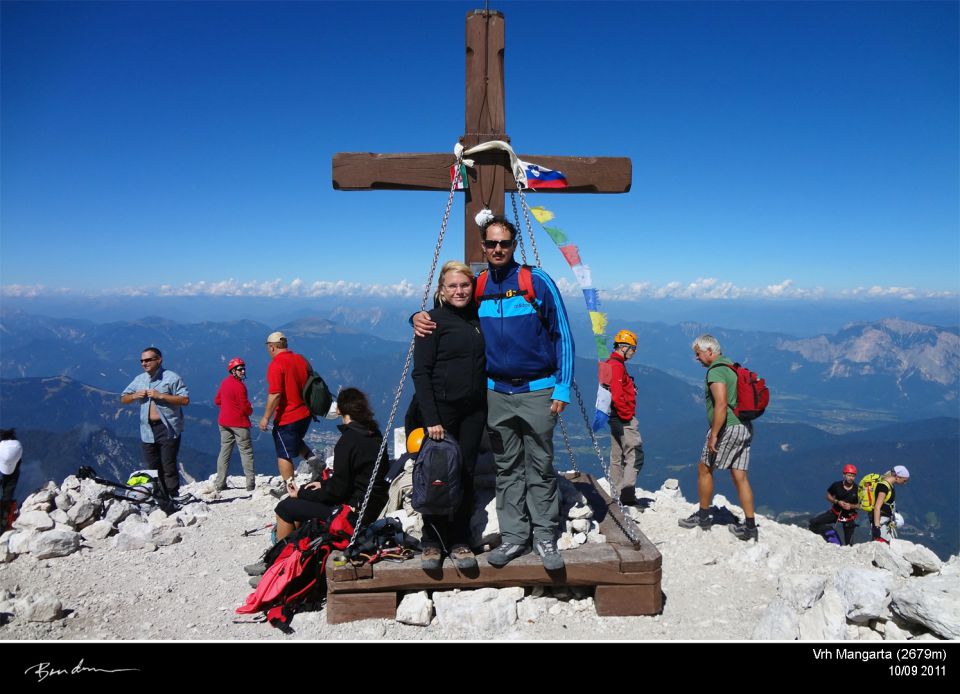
point(65, 527)
point(40, 607)
point(865, 592)
point(580, 512)
point(868, 634)
point(54, 543)
point(59, 517)
point(118, 510)
point(720, 501)
point(41, 500)
point(892, 632)
point(922, 558)
point(94, 491)
point(933, 602)
point(84, 512)
point(579, 539)
point(778, 622)
point(5, 553)
point(63, 501)
point(484, 524)
point(415, 609)
point(825, 620)
point(596, 538)
point(581, 525)
point(884, 557)
point(19, 542)
point(71, 482)
point(97, 531)
point(566, 541)
point(801, 591)
point(484, 610)
point(34, 520)
point(531, 608)
point(125, 542)
point(670, 489)
point(515, 593)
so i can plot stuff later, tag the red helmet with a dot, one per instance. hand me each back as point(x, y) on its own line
point(234, 363)
point(849, 469)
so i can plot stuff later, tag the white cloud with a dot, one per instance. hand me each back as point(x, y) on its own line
point(702, 288)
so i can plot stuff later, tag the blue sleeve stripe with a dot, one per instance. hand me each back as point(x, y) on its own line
point(565, 350)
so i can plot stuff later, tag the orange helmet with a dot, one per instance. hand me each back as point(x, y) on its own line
point(415, 440)
point(625, 337)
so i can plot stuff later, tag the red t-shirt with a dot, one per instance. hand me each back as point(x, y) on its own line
point(287, 374)
point(234, 405)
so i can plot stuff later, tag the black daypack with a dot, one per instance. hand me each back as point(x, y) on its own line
point(436, 477)
point(316, 395)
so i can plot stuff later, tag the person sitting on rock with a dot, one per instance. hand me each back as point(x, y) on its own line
point(843, 495)
point(882, 524)
point(353, 463)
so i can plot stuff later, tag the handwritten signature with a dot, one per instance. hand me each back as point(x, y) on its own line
point(43, 670)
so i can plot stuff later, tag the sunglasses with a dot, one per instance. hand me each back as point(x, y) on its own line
point(147, 361)
point(503, 243)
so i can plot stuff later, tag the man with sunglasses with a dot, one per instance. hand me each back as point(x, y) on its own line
point(161, 394)
point(529, 353)
point(234, 421)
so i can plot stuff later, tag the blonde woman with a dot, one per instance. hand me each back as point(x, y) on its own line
point(449, 374)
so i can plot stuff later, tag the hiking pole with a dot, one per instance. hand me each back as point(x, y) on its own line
point(247, 533)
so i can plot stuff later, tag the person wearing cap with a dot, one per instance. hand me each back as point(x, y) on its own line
point(626, 445)
point(286, 376)
point(881, 520)
point(161, 395)
point(234, 422)
point(843, 495)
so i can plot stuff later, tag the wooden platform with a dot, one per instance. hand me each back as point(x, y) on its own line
point(627, 578)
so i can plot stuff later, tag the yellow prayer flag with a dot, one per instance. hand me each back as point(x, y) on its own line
point(599, 322)
point(542, 214)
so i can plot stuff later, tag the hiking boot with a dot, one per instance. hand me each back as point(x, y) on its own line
point(431, 558)
point(694, 520)
point(463, 558)
point(256, 569)
point(506, 553)
point(254, 581)
point(181, 498)
point(628, 496)
point(251, 486)
point(547, 549)
point(279, 492)
point(742, 532)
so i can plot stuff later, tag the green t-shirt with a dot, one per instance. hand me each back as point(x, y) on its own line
point(721, 374)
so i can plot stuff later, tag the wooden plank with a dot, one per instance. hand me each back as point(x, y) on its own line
point(414, 171)
point(587, 565)
point(627, 601)
point(606, 512)
point(349, 607)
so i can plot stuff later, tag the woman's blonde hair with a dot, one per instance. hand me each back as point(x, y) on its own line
point(451, 266)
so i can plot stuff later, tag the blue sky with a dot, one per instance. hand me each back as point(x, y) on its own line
point(779, 149)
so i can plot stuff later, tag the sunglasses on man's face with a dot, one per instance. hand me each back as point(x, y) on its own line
point(503, 243)
point(147, 361)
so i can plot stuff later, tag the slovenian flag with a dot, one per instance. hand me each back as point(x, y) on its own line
point(542, 177)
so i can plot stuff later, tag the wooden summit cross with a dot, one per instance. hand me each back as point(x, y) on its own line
point(485, 121)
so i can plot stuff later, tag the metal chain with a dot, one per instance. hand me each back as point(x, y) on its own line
point(406, 363)
point(566, 441)
point(516, 220)
point(533, 241)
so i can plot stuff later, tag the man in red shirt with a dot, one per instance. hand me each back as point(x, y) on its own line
point(234, 421)
point(286, 376)
point(626, 446)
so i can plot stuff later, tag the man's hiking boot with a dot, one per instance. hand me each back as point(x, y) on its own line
point(506, 553)
point(547, 549)
point(431, 558)
point(742, 532)
point(628, 496)
point(695, 520)
point(463, 558)
point(256, 569)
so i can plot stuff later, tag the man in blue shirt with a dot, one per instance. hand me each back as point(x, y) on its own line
point(160, 394)
point(529, 353)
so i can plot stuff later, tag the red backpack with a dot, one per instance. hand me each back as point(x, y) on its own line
point(753, 396)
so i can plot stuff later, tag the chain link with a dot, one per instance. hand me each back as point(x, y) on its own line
point(406, 363)
point(526, 215)
point(516, 221)
point(566, 441)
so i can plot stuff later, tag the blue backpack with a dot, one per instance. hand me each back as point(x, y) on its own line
point(436, 477)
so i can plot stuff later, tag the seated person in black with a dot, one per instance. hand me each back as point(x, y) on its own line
point(843, 495)
point(353, 462)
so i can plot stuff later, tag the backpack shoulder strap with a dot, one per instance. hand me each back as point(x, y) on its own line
point(525, 281)
point(481, 285)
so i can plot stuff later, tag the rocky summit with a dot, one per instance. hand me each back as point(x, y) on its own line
point(81, 564)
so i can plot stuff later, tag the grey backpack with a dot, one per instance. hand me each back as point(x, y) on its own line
point(436, 477)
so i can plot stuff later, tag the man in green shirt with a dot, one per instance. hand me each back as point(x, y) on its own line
point(728, 440)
